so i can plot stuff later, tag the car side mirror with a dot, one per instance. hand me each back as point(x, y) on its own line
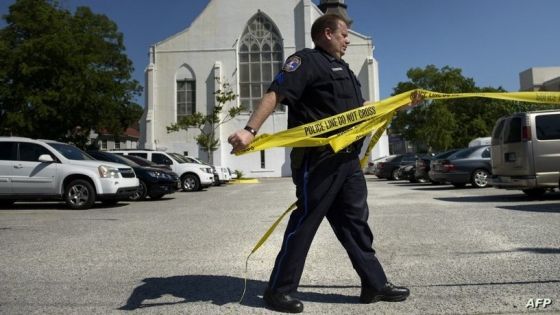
point(45, 158)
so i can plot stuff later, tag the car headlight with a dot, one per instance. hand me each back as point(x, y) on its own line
point(155, 174)
point(108, 171)
point(206, 169)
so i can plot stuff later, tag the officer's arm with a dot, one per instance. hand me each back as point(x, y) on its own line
point(266, 107)
point(240, 139)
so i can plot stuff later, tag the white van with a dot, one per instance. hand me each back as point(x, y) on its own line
point(526, 152)
point(193, 176)
point(33, 169)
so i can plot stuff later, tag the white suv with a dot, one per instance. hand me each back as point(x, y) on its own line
point(45, 169)
point(193, 176)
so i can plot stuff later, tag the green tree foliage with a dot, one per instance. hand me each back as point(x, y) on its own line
point(63, 75)
point(208, 124)
point(444, 124)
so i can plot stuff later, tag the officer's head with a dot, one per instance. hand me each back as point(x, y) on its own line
point(330, 32)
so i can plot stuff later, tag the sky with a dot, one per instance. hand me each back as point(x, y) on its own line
point(492, 41)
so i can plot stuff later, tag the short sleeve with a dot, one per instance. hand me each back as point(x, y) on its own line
point(292, 80)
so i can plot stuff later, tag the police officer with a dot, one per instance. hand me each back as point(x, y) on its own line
point(315, 84)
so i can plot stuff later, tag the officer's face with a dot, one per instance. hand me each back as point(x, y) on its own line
point(338, 40)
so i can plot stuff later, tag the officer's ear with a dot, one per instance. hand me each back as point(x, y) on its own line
point(329, 33)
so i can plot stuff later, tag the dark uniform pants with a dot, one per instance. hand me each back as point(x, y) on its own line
point(331, 185)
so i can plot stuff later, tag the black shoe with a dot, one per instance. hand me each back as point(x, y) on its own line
point(389, 293)
point(282, 302)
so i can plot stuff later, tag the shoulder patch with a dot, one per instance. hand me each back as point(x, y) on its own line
point(292, 64)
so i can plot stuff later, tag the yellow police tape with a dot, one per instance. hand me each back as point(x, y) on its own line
point(372, 117)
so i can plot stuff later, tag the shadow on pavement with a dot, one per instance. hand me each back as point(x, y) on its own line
point(429, 187)
point(547, 207)
point(487, 283)
point(218, 290)
point(58, 205)
point(501, 198)
point(533, 250)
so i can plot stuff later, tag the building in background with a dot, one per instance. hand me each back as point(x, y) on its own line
point(106, 141)
point(540, 79)
point(243, 43)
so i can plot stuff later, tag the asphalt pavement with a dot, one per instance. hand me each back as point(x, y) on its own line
point(460, 251)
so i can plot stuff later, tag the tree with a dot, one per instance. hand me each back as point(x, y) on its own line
point(453, 123)
point(63, 75)
point(208, 124)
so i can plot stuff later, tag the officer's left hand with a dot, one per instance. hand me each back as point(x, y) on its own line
point(239, 140)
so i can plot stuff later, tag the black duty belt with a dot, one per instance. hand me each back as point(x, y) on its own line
point(349, 149)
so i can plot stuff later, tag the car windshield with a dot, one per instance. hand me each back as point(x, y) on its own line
point(138, 160)
point(120, 159)
point(391, 158)
point(179, 158)
point(461, 154)
point(70, 152)
point(445, 154)
point(192, 160)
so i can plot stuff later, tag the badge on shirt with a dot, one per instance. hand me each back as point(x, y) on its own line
point(292, 64)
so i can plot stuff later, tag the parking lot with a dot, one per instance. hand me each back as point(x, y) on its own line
point(460, 251)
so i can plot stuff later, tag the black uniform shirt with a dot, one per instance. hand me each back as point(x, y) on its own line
point(316, 85)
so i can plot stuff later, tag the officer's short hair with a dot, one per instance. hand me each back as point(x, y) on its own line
point(326, 21)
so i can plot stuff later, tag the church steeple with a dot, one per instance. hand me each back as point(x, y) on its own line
point(335, 7)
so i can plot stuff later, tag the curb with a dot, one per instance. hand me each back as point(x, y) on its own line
point(245, 181)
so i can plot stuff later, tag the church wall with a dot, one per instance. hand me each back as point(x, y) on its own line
point(209, 48)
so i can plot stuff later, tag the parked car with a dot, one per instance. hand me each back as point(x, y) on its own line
point(232, 174)
point(193, 176)
point(422, 165)
point(144, 162)
point(372, 166)
point(191, 159)
point(526, 152)
point(154, 182)
point(466, 166)
point(389, 169)
point(406, 172)
point(221, 174)
point(226, 177)
point(218, 175)
point(44, 169)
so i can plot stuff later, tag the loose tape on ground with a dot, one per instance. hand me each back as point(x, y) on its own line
point(373, 117)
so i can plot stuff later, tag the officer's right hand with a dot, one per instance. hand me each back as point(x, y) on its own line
point(239, 140)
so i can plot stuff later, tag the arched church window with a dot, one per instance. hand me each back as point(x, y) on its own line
point(260, 58)
point(186, 92)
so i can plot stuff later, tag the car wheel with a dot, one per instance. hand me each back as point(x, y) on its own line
point(190, 182)
point(79, 194)
point(534, 192)
point(459, 185)
point(141, 193)
point(395, 175)
point(479, 178)
point(156, 196)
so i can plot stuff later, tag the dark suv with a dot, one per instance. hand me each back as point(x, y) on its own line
point(154, 182)
point(390, 168)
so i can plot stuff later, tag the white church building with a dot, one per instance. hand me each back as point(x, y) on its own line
point(243, 43)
